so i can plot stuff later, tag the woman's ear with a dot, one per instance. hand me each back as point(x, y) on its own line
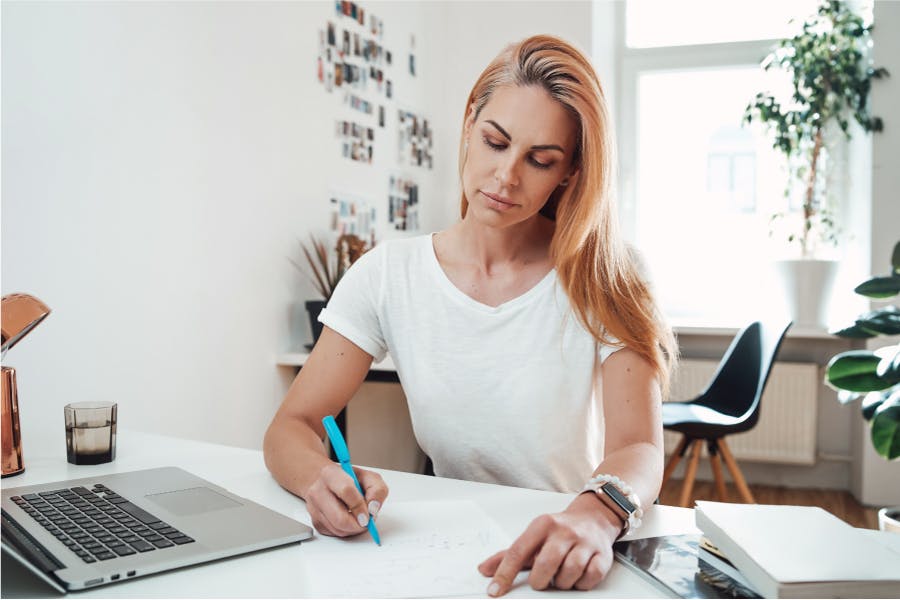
point(470, 121)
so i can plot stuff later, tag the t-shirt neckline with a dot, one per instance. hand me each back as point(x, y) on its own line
point(462, 297)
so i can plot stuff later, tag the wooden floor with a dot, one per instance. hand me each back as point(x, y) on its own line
point(838, 502)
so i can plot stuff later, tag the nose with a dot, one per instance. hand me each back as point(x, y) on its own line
point(506, 173)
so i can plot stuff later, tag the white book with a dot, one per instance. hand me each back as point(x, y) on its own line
point(800, 551)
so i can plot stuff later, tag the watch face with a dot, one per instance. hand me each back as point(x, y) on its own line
point(618, 497)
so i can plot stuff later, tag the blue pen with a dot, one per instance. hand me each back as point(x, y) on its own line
point(340, 450)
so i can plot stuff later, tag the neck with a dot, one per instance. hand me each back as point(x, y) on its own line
point(491, 248)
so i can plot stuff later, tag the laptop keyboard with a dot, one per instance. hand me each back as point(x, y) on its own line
point(98, 524)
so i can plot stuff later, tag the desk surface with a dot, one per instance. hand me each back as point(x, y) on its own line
point(276, 573)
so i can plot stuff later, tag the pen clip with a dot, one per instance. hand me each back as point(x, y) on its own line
point(337, 439)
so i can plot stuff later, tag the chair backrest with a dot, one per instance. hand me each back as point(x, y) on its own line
point(742, 374)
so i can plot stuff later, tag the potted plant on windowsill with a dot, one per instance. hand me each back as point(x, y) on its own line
point(874, 375)
point(831, 78)
point(327, 270)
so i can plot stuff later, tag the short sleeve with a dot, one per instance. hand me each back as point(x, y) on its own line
point(606, 350)
point(353, 310)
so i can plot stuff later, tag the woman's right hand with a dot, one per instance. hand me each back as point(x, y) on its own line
point(336, 506)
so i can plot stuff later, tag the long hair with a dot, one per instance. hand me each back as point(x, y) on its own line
point(597, 271)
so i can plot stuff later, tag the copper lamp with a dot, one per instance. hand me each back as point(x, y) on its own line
point(20, 314)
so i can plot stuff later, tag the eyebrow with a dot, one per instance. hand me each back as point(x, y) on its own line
point(509, 138)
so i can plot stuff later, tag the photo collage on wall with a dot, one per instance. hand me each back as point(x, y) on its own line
point(415, 140)
point(357, 140)
point(354, 215)
point(403, 204)
point(356, 69)
point(352, 59)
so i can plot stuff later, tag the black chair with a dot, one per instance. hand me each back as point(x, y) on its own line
point(729, 405)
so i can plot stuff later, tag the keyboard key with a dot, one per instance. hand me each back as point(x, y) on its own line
point(182, 540)
point(153, 538)
point(137, 512)
point(157, 525)
point(142, 546)
point(88, 559)
point(107, 538)
point(124, 550)
point(106, 555)
point(30, 496)
point(163, 543)
point(82, 491)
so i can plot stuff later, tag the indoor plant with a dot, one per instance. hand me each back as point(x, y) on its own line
point(327, 270)
point(875, 375)
point(831, 77)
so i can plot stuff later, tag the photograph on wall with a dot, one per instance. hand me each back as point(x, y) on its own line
point(403, 203)
point(415, 140)
point(351, 213)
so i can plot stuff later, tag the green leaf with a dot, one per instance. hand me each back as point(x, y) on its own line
point(879, 287)
point(855, 370)
point(885, 320)
point(886, 427)
point(895, 259)
point(871, 403)
point(889, 366)
point(854, 332)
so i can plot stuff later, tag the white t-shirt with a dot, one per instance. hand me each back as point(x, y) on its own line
point(496, 394)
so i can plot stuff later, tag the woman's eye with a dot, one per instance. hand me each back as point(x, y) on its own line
point(539, 164)
point(492, 144)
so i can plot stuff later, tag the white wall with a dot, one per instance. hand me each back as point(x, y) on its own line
point(160, 162)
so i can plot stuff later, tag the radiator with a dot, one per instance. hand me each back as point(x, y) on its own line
point(786, 430)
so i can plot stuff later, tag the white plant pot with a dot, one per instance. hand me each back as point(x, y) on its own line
point(889, 519)
point(807, 286)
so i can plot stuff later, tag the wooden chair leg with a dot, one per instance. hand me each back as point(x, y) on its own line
point(716, 464)
point(736, 474)
point(674, 460)
point(689, 475)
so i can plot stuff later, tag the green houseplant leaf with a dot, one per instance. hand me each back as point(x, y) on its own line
point(855, 370)
point(879, 287)
point(886, 427)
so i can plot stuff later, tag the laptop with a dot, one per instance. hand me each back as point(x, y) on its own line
point(83, 533)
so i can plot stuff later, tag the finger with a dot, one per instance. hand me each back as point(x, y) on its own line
point(333, 513)
point(376, 490)
point(344, 489)
point(547, 564)
point(596, 570)
point(489, 565)
point(518, 556)
point(572, 568)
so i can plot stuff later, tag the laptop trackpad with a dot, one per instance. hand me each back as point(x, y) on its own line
point(192, 501)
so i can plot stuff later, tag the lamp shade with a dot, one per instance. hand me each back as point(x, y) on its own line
point(20, 314)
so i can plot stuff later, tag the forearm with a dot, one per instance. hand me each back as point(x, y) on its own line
point(294, 454)
point(640, 466)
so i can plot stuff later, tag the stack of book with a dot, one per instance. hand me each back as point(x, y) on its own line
point(753, 551)
point(802, 551)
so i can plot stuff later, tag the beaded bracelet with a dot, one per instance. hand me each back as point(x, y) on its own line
point(633, 520)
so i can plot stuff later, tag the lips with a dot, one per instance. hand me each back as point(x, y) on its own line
point(501, 201)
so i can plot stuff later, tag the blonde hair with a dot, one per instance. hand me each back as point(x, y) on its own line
point(593, 264)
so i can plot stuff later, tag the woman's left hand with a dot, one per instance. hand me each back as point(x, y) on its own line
point(571, 549)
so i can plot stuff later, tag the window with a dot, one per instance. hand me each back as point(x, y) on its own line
point(697, 188)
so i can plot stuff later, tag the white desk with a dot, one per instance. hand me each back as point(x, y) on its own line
point(276, 573)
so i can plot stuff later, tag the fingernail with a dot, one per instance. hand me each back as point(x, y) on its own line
point(493, 589)
point(362, 519)
point(374, 507)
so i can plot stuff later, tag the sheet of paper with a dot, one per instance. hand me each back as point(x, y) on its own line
point(429, 549)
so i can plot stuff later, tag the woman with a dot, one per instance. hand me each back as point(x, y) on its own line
point(530, 351)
